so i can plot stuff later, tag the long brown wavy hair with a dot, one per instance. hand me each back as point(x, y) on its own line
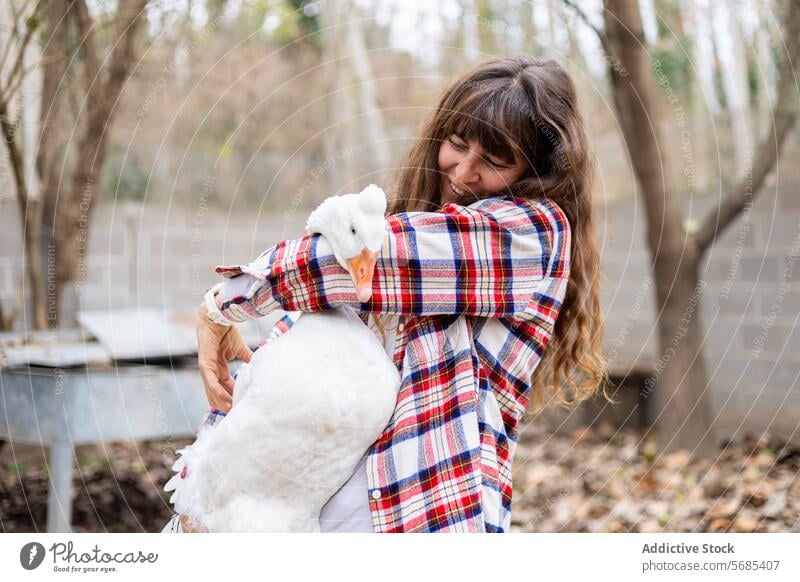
point(525, 108)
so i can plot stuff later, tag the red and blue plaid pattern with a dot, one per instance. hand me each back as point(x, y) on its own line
point(476, 291)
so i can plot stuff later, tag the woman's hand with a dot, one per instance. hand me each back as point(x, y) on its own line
point(216, 346)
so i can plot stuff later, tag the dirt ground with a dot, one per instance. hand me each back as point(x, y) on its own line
point(596, 479)
point(603, 480)
point(116, 487)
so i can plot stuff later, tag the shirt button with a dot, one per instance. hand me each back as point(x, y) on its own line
point(376, 493)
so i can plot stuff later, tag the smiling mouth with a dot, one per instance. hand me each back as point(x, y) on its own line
point(458, 191)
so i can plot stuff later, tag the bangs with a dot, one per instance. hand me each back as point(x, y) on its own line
point(493, 118)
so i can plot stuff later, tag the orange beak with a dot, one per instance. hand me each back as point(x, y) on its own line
point(362, 268)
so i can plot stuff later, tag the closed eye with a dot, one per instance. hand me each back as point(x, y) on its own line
point(497, 165)
point(459, 146)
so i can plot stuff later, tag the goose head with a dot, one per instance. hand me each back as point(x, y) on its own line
point(355, 227)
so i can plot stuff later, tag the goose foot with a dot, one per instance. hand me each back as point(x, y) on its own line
point(188, 526)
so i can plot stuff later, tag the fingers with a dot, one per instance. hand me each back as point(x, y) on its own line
point(245, 354)
point(224, 375)
point(218, 397)
point(222, 401)
point(213, 381)
point(216, 346)
point(216, 394)
point(208, 374)
point(214, 373)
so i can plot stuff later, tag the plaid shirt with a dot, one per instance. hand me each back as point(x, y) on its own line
point(476, 291)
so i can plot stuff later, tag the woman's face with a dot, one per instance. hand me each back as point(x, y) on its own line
point(469, 173)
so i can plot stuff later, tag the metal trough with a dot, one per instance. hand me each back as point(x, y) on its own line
point(77, 394)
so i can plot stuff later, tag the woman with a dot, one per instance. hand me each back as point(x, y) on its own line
point(491, 257)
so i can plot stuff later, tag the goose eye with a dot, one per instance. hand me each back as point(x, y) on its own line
point(352, 229)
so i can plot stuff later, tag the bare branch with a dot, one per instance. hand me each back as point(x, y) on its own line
point(585, 18)
point(783, 118)
point(53, 63)
point(12, 89)
point(130, 17)
point(85, 26)
point(22, 10)
point(28, 209)
point(13, 35)
point(9, 131)
point(30, 29)
point(635, 101)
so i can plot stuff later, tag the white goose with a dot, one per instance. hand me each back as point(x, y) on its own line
point(305, 409)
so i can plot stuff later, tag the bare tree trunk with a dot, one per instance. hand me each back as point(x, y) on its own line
point(28, 219)
point(766, 64)
point(634, 97)
point(374, 127)
point(487, 42)
point(72, 211)
point(681, 382)
point(734, 81)
point(700, 109)
point(704, 53)
point(65, 212)
point(529, 32)
point(471, 48)
point(350, 133)
point(684, 419)
point(53, 73)
point(681, 387)
point(333, 101)
point(13, 69)
point(345, 130)
point(552, 24)
point(784, 115)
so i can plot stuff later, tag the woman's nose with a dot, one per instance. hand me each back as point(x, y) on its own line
point(466, 170)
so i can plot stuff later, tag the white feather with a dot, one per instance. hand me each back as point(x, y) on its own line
point(306, 408)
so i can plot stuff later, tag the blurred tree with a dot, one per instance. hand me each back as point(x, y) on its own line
point(123, 176)
point(732, 63)
point(469, 29)
point(215, 9)
point(671, 47)
point(553, 18)
point(684, 413)
point(335, 100)
point(702, 95)
point(488, 23)
point(68, 206)
point(354, 115)
point(56, 215)
point(295, 24)
point(372, 125)
point(306, 14)
point(23, 20)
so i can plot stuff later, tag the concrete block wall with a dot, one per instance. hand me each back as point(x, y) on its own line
point(749, 308)
point(152, 256)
